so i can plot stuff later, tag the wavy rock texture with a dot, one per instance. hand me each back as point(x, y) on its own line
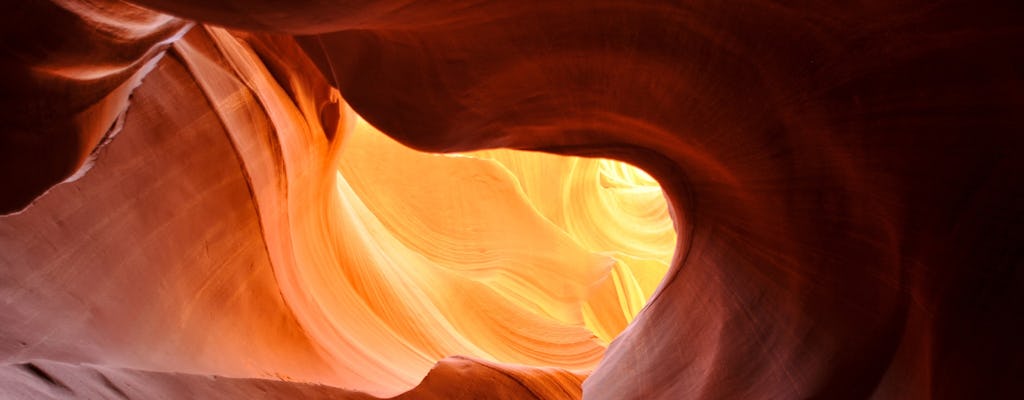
point(843, 179)
point(66, 90)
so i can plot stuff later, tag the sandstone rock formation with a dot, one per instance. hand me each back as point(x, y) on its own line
point(179, 176)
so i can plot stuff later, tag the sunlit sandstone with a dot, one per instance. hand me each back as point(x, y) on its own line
point(436, 255)
point(843, 180)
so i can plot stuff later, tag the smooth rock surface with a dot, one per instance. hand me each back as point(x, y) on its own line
point(845, 181)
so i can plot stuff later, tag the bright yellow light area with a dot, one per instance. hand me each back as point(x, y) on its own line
point(608, 207)
point(509, 256)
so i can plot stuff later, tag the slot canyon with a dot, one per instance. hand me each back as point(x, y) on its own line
point(511, 199)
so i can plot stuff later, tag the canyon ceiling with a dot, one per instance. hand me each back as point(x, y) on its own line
point(199, 200)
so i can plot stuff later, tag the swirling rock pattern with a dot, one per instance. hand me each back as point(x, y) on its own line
point(843, 179)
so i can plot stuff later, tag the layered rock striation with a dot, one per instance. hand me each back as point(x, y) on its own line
point(843, 180)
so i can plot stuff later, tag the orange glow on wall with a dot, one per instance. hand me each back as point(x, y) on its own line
point(508, 256)
point(190, 206)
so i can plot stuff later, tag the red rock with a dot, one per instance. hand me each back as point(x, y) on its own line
point(845, 182)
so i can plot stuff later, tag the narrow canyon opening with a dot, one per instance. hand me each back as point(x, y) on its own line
point(191, 208)
point(506, 256)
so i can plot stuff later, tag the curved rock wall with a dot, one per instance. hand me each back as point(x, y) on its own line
point(843, 178)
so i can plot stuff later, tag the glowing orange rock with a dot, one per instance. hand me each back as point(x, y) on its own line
point(843, 178)
point(439, 255)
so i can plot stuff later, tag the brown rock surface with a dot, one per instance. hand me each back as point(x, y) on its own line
point(845, 181)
